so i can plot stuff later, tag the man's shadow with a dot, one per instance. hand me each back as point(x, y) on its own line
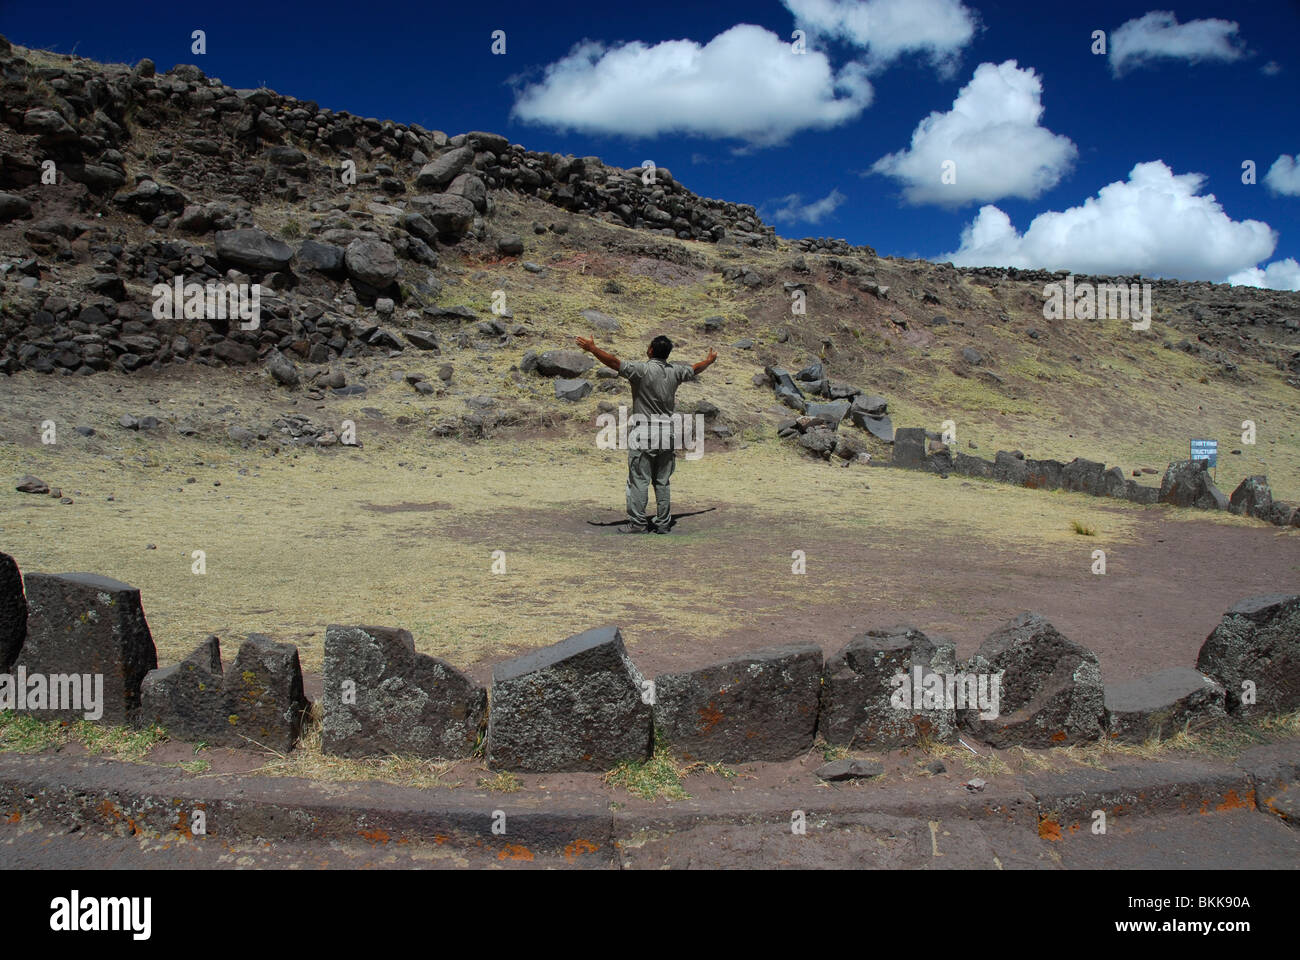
point(672, 521)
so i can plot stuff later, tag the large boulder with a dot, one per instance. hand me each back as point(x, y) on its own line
point(1159, 705)
point(1051, 689)
point(1252, 498)
point(573, 389)
point(569, 364)
point(83, 623)
point(186, 698)
point(451, 215)
point(382, 697)
point(869, 692)
point(968, 466)
point(321, 257)
point(258, 702)
point(755, 706)
point(373, 262)
point(1256, 647)
point(1187, 483)
point(253, 249)
point(13, 612)
point(1010, 467)
point(909, 447)
point(1044, 474)
point(1083, 476)
point(829, 413)
point(580, 704)
point(440, 171)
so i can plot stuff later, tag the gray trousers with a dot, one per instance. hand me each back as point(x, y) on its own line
point(644, 469)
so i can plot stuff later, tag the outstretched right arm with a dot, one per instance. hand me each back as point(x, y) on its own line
point(608, 359)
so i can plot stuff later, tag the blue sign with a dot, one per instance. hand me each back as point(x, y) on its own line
point(1206, 450)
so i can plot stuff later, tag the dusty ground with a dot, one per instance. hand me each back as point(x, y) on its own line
point(403, 531)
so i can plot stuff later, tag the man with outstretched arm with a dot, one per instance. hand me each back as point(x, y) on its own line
point(654, 394)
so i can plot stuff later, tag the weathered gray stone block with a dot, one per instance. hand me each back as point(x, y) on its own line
point(1159, 705)
point(968, 466)
point(1051, 691)
point(1252, 498)
point(257, 702)
point(909, 447)
point(1257, 641)
point(1044, 474)
point(576, 705)
point(1187, 483)
point(13, 612)
point(82, 623)
point(1083, 476)
point(865, 704)
point(756, 706)
point(382, 697)
point(1009, 468)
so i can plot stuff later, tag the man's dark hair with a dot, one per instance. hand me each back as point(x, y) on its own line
point(660, 347)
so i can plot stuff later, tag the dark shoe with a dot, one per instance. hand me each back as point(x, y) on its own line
point(655, 528)
point(631, 528)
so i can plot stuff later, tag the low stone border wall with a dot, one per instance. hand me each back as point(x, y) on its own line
point(1186, 483)
point(582, 704)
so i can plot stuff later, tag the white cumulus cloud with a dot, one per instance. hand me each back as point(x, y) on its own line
point(1158, 35)
point(1156, 223)
point(746, 83)
point(889, 29)
point(990, 142)
point(1284, 176)
point(1278, 275)
point(794, 210)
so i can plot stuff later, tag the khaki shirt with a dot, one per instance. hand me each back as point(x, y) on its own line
point(654, 384)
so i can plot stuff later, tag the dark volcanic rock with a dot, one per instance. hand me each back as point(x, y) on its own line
point(756, 706)
point(373, 262)
point(909, 447)
point(864, 702)
point(576, 705)
point(13, 612)
point(186, 698)
point(1256, 645)
point(263, 694)
point(257, 702)
point(1159, 705)
point(321, 257)
point(1187, 483)
point(1252, 498)
point(564, 363)
point(1051, 690)
point(82, 623)
point(382, 697)
point(253, 249)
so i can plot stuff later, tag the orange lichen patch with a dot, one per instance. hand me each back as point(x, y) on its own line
point(439, 839)
point(15, 817)
point(1058, 736)
point(709, 717)
point(377, 835)
point(577, 848)
point(515, 851)
point(1049, 830)
point(1074, 828)
point(109, 809)
point(1233, 802)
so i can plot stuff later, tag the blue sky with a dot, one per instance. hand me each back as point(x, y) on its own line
point(1028, 120)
